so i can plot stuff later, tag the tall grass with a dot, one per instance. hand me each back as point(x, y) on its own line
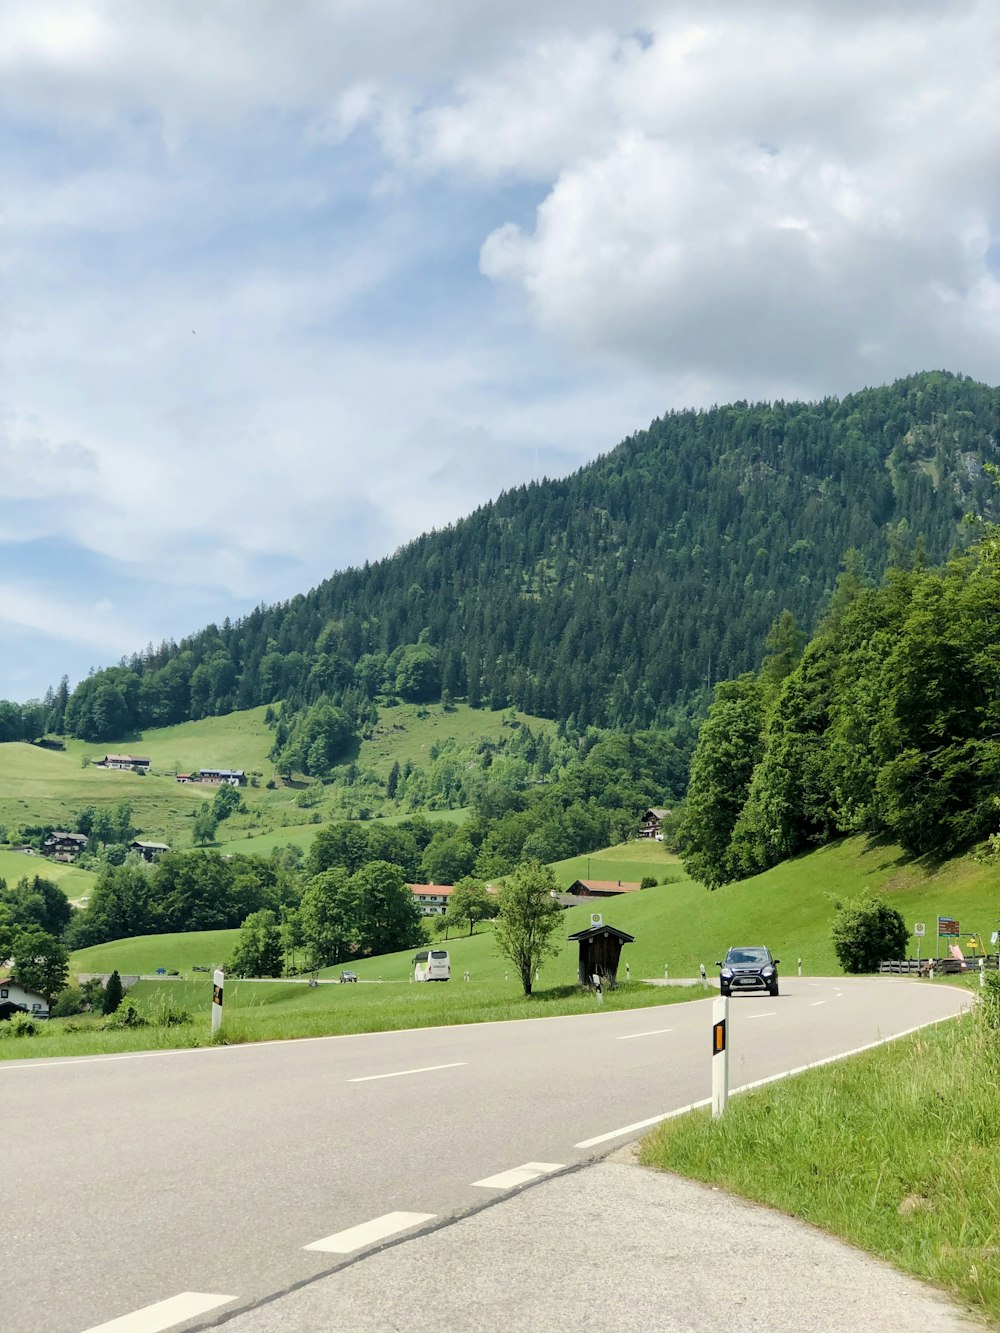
point(896, 1150)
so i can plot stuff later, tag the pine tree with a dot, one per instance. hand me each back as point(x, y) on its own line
point(114, 993)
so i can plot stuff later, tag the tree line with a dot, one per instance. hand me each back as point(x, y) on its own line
point(887, 722)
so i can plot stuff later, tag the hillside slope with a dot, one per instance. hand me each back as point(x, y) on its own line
point(613, 593)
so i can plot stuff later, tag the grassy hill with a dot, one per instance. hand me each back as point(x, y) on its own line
point(680, 924)
point(76, 884)
point(145, 953)
point(40, 786)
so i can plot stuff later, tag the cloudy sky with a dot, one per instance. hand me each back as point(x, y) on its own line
point(284, 283)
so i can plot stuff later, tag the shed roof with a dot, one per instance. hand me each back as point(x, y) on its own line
point(607, 885)
point(592, 932)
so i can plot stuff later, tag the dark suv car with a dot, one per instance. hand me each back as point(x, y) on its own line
point(748, 968)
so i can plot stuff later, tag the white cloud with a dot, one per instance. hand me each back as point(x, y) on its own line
point(286, 285)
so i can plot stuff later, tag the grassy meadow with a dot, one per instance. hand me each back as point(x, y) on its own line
point(41, 786)
point(894, 1150)
point(143, 954)
point(76, 884)
point(678, 924)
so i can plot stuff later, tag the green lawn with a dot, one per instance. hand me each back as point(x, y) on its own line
point(76, 884)
point(894, 1150)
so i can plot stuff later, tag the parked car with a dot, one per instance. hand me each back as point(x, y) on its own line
point(748, 967)
point(348, 976)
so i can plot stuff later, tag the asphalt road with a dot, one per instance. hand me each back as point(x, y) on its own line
point(131, 1180)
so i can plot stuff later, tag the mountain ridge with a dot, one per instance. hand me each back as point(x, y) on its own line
point(611, 597)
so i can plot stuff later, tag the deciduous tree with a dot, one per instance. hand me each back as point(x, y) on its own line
point(527, 920)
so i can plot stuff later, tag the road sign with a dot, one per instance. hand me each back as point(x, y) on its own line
point(947, 926)
point(920, 930)
point(995, 937)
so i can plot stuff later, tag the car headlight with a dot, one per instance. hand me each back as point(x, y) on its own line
point(727, 971)
point(767, 971)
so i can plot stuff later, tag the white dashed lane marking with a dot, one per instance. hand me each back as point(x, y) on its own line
point(518, 1175)
point(814, 1003)
point(367, 1233)
point(164, 1314)
point(768, 1013)
point(400, 1073)
point(656, 1032)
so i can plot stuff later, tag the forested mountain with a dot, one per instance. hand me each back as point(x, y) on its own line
point(610, 596)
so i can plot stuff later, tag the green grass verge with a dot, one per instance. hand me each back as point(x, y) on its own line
point(268, 1011)
point(895, 1151)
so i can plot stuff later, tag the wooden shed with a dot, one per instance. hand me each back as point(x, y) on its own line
point(600, 951)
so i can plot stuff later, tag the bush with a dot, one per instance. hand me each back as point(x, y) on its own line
point(164, 1015)
point(125, 1016)
point(648, 882)
point(991, 1000)
point(114, 992)
point(68, 1002)
point(21, 1025)
point(866, 932)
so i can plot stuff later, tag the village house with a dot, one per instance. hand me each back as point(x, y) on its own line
point(431, 898)
point(134, 762)
point(218, 776)
point(652, 823)
point(601, 888)
point(149, 851)
point(184, 777)
point(63, 846)
point(15, 998)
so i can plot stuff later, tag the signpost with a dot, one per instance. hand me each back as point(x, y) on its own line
point(948, 928)
point(720, 1055)
point(919, 931)
point(218, 980)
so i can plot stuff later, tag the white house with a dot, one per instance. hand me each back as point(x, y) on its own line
point(431, 898)
point(14, 997)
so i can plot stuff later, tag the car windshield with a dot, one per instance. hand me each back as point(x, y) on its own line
point(748, 956)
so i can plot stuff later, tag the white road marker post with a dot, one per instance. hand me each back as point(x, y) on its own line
point(600, 994)
point(666, 971)
point(982, 972)
point(800, 967)
point(701, 968)
point(720, 1055)
point(628, 972)
point(218, 980)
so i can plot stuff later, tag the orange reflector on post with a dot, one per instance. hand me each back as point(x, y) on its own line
point(718, 1038)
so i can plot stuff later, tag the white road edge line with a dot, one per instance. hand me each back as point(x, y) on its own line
point(164, 1314)
point(518, 1175)
point(631, 1036)
point(761, 1082)
point(401, 1073)
point(355, 1238)
point(814, 1003)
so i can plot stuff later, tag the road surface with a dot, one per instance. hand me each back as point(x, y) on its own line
point(168, 1189)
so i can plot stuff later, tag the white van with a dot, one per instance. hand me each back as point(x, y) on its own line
point(432, 965)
